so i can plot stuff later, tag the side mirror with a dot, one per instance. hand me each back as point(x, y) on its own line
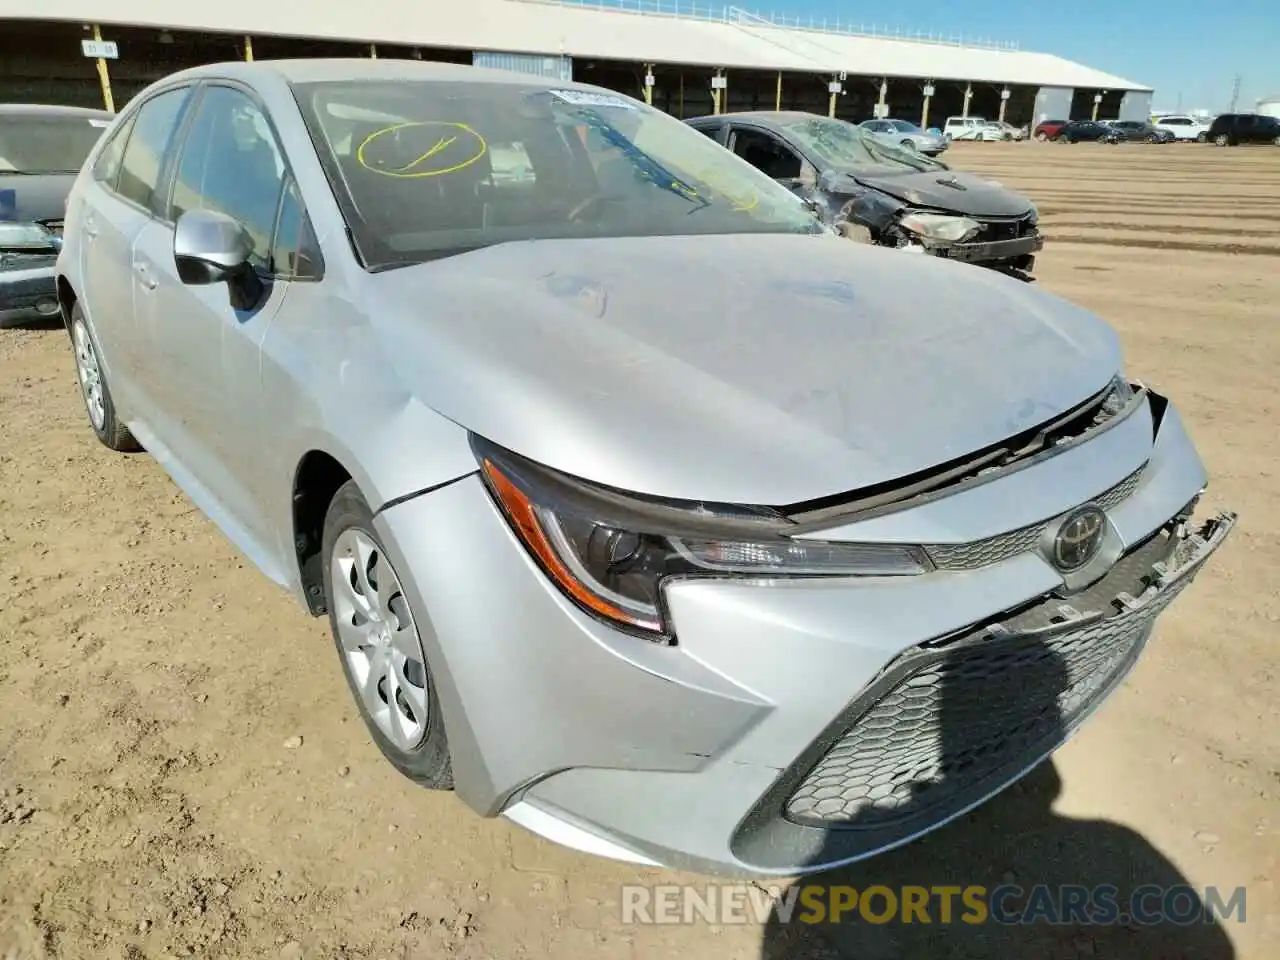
point(211, 247)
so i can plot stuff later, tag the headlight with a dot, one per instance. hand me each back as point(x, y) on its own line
point(941, 226)
point(1119, 395)
point(611, 552)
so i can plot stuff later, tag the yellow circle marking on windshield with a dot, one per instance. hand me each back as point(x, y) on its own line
point(440, 157)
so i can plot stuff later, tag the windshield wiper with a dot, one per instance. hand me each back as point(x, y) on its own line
point(34, 173)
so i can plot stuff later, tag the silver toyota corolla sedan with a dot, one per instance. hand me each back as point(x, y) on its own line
point(646, 511)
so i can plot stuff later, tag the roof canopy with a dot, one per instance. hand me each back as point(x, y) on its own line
point(521, 26)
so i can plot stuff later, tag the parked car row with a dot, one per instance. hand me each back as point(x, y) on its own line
point(621, 476)
point(1225, 130)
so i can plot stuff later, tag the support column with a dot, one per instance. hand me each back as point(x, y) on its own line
point(968, 95)
point(719, 84)
point(104, 75)
point(833, 91)
point(1097, 102)
point(373, 51)
point(648, 83)
point(881, 108)
point(777, 98)
point(248, 49)
point(1004, 102)
point(924, 114)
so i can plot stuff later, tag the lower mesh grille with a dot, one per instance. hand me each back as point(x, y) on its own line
point(984, 705)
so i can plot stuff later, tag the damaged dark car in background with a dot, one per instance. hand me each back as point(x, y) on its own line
point(892, 197)
point(41, 150)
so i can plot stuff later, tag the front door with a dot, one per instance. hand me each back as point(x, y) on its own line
point(204, 356)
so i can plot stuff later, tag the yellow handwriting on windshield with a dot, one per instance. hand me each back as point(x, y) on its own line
point(456, 146)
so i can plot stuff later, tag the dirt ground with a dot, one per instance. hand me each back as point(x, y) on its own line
point(182, 773)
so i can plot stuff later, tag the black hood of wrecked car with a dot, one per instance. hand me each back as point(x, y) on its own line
point(949, 190)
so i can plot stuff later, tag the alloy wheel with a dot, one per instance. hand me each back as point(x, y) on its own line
point(90, 375)
point(379, 638)
point(1220, 139)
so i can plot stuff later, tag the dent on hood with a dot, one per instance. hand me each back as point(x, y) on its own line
point(761, 369)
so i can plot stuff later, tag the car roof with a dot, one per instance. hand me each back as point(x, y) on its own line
point(764, 116)
point(49, 110)
point(328, 69)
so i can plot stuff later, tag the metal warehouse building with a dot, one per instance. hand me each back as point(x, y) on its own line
point(686, 61)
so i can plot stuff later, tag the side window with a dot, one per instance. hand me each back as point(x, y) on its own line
point(295, 254)
point(709, 130)
point(142, 165)
point(766, 154)
point(231, 164)
point(107, 167)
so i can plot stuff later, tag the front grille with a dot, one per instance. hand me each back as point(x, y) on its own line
point(993, 230)
point(954, 719)
point(980, 553)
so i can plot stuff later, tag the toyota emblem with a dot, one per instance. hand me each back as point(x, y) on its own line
point(1079, 538)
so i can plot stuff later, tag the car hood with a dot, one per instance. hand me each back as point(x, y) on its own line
point(34, 197)
point(761, 369)
point(949, 190)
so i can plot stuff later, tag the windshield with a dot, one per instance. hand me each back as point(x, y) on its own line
point(842, 146)
point(37, 143)
point(424, 169)
point(905, 126)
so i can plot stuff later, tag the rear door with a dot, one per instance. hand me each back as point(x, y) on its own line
point(114, 209)
point(204, 357)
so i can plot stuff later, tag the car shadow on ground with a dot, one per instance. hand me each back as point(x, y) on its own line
point(1015, 840)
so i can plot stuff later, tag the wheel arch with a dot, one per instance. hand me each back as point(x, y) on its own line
point(317, 477)
point(67, 299)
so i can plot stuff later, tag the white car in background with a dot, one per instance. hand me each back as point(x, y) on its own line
point(970, 128)
point(1184, 127)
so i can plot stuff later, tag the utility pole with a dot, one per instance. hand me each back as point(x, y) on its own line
point(1235, 94)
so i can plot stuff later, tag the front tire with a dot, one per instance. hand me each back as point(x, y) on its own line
point(1202, 137)
point(94, 390)
point(1222, 140)
point(379, 645)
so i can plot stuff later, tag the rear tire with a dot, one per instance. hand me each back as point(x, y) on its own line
point(1042, 137)
point(94, 390)
point(1222, 140)
point(379, 644)
point(1202, 138)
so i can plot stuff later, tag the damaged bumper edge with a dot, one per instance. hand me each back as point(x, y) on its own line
point(27, 292)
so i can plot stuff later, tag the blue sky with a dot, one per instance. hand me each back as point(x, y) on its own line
point(1180, 47)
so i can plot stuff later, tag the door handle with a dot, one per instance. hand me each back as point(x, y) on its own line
point(144, 275)
point(90, 227)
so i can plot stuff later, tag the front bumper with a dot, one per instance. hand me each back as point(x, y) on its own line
point(993, 251)
point(28, 289)
point(798, 724)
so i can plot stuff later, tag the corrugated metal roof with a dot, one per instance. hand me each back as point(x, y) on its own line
point(518, 26)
